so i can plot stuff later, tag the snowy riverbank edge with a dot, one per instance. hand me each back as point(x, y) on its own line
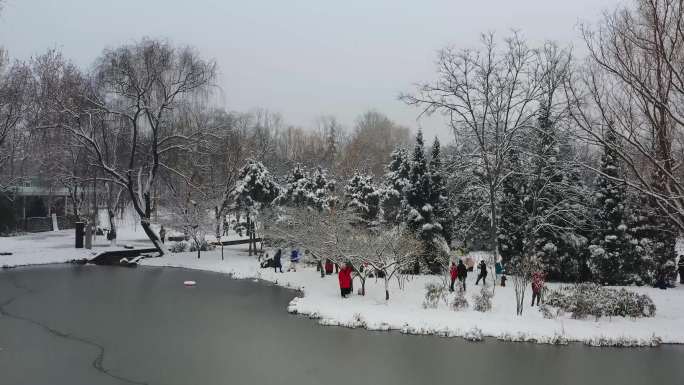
point(320, 300)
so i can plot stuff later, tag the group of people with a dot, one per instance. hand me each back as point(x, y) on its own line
point(460, 272)
point(344, 273)
point(278, 263)
point(457, 272)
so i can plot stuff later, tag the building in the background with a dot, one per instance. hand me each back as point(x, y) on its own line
point(29, 206)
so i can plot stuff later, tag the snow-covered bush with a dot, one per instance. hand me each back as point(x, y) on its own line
point(483, 300)
point(179, 247)
point(587, 299)
point(433, 293)
point(358, 321)
point(558, 339)
point(203, 246)
point(547, 311)
point(474, 335)
point(459, 302)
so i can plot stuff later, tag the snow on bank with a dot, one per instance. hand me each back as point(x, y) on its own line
point(404, 312)
point(58, 246)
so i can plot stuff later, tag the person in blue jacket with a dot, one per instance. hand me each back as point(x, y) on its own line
point(294, 259)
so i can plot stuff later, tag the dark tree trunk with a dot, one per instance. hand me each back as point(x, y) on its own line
point(145, 224)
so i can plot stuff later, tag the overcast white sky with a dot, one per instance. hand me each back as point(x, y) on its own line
point(302, 58)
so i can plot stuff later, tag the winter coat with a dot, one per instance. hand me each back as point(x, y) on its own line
point(294, 256)
point(537, 282)
point(483, 268)
point(462, 271)
point(345, 277)
point(453, 272)
point(328, 267)
point(276, 258)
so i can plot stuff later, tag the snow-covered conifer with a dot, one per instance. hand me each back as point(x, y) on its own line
point(438, 193)
point(611, 247)
point(395, 181)
point(363, 197)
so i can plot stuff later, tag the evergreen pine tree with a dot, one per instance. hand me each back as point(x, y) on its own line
point(541, 210)
point(653, 239)
point(395, 181)
point(324, 189)
point(547, 187)
point(331, 146)
point(418, 211)
point(302, 189)
point(363, 197)
point(573, 249)
point(611, 247)
point(513, 216)
point(438, 193)
point(255, 186)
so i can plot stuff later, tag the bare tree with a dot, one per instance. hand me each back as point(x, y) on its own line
point(188, 211)
point(337, 235)
point(491, 96)
point(633, 85)
point(332, 133)
point(136, 88)
point(114, 202)
point(14, 105)
point(371, 142)
point(394, 250)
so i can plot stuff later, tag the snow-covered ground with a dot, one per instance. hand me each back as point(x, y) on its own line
point(58, 246)
point(321, 299)
point(404, 311)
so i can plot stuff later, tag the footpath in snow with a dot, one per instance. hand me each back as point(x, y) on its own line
point(404, 312)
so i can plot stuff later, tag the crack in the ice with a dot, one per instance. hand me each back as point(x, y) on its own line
point(97, 363)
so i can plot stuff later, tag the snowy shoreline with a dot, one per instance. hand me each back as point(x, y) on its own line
point(403, 313)
point(320, 300)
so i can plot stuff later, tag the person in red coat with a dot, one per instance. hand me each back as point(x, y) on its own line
point(453, 272)
point(345, 279)
point(537, 286)
point(328, 267)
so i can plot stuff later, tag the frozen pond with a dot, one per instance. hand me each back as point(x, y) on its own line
point(104, 325)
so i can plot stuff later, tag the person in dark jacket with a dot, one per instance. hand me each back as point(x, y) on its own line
point(277, 264)
point(329, 266)
point(345, 278)
point(483, 273)
point(453, 272)
point(462, 273)
point(681, 269)
point(162, 234)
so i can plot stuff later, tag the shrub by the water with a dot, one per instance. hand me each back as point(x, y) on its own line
point(179, 247)
point(459, 302)
point(547, 311)
point(587, 299)
point(433, 293)
point(203, 246)
point(483, 300)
